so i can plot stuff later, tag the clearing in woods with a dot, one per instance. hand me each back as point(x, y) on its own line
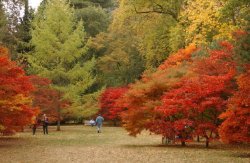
point(83, 144)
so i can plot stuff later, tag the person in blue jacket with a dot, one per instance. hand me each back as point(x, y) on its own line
point(99, 120)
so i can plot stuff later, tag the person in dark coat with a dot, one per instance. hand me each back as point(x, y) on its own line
point(45, 124)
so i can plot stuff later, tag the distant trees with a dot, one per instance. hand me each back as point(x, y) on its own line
point(95, 14)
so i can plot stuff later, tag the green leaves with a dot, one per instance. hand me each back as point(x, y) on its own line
point(60, 47)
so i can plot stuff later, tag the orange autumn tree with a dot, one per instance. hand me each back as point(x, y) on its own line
point(192, 106)
point(236, 127)
point(185, 96)
point(16, 109)
point(144, 95)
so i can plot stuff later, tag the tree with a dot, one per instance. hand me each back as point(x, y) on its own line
point(149, 23)
point(45, 96)
point(236, 12)
point(184, 97)
point(236, 125)
point(145, 95)
point(16, 109)
point(95, 14)
point(3, 23)
point(119, 62)
point(85, 107)
point(24, 34)
point(110, 108)
point(59, 51)
point(197, 100)
point(12, 9)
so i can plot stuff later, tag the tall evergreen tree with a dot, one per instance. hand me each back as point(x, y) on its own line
point(24, 34)
point(59, 51)
point(3, 23)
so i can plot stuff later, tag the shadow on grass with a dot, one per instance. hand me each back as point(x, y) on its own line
point(177, 146)
point(216, 146)
point(11, 141)
point(241, 155)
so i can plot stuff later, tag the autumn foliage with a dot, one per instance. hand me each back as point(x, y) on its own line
point(185, 97)
point(47, 98)
point(192, 107)
point(236, 127)
point(16, 109)
point(110, 109)
point(145, 95)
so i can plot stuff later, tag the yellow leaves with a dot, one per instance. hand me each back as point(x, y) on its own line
point(204, 19)
point(16, 102)
point(225, 31)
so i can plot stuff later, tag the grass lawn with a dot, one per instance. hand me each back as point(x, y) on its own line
point(83, 144)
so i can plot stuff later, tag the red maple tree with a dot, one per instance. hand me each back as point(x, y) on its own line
point(198, 99)
point(47, 98)
point(145, 95)
point(236, 127)
point(16, 109)
point(110, 108)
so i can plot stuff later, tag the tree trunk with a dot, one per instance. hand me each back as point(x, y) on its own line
point(207, 142)
point(183, 143)
point(115, 124)
point(58, 113)
point(58, 120)
point(198, 138)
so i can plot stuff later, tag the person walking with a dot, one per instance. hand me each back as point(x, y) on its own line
point(45, 124)
point(99, 120)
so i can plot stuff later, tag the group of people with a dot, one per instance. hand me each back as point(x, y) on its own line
point(44, 121)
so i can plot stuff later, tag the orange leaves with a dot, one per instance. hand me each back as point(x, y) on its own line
point(16, 104)
point(202, 97)
point(173, 102)
point(180, 56)
point(236, 127)
point(145, 95)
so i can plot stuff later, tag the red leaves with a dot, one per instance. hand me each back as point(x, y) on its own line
point(203, 96)
point(47, 98)
point(144, 96)
point(15, 87)
point(236, 127)
point(110, 108)
point(184, 103)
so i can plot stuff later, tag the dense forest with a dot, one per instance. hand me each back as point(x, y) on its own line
point(171, 67)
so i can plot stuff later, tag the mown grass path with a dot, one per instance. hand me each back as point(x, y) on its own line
point(83, 144)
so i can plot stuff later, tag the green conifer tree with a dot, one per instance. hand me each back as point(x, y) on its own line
point(59, 51)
